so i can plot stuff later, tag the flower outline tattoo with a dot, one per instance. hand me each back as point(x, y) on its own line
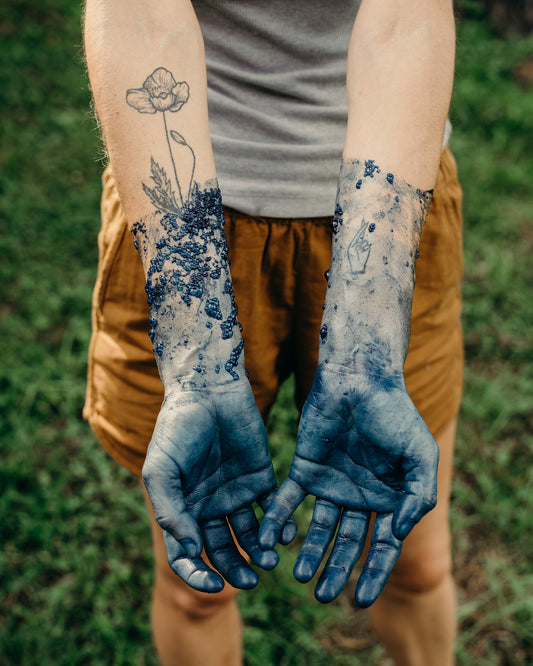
point(161, 92)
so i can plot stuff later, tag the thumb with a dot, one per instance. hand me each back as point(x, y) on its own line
point(410, 510)
point(163, 484)
point(285, 502)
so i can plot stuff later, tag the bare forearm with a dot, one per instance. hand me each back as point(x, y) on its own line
point(127, 40)
point(400, 76)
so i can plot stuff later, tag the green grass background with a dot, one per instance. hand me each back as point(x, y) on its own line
point(75, 562)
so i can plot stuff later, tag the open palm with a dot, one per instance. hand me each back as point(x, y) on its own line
point(362, 448)
point(206, 465)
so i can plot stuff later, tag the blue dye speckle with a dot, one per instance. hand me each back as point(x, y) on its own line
point(371, 227)
point(159, 348)
point(197, 368)
point(234, 360)
point(212, 308)
point(370, 169)
point(358, 184)
point(337, 219)
point(417, 254)
point(324, 332)
point(390, 178)
point(217, 368)
point(327, 274)
point(208, 324)
point(385, 260)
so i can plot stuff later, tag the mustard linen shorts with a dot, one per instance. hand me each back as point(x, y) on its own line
point(278, 267)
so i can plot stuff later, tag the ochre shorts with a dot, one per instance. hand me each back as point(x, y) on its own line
point(278, 267)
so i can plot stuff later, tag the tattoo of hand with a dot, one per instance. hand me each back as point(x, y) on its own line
point(359, 250)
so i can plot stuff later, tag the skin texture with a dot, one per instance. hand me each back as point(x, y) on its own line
point(362, 446)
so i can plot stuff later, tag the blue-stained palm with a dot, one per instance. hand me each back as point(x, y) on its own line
point(362, 448)
point(207, 463)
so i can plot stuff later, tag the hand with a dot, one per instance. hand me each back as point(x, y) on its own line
point(207, 463)
point(362, 448)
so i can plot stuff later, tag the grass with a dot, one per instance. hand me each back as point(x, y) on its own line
point(75, 563)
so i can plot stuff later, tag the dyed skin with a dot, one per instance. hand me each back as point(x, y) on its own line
point(208, 459)
point(362, 446)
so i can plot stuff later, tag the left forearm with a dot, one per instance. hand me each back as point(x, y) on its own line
point(399, 83)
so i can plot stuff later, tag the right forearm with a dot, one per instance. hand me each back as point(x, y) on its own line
point(126, 41)
point(149, 87)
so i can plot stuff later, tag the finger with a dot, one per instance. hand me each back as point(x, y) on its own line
point(285, 502)
point(194, 571)
point(289, 530)
point(246, 529)
point(348, 547)
point(319, 535)
point(411, 509)
point(163, 483)
point(384, 552)
point(225, 557)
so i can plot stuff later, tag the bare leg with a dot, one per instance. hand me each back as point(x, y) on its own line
point(191, 628)
point(415, 616)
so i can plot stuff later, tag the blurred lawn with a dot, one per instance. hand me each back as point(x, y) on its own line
point(75, 564)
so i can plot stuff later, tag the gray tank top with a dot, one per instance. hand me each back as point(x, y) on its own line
point(276, 72)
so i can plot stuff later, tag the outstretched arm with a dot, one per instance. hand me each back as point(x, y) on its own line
point(362, 446)
point(208, 460)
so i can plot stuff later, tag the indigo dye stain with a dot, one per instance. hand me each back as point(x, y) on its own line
point(327, 274)
point(323, 333)
point(159, 349)
point(337, 219)
point(190, 257)
point(217, 368)
point(417, 253)
point(390, 178)
point(188, 237)
point(385, 261)
point(371, 227)
point(212, 308)
point(198, 368)
point(370, 169)
point(358, 184)
point(233, 360)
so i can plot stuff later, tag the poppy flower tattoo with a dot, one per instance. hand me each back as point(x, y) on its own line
point(161, 93)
